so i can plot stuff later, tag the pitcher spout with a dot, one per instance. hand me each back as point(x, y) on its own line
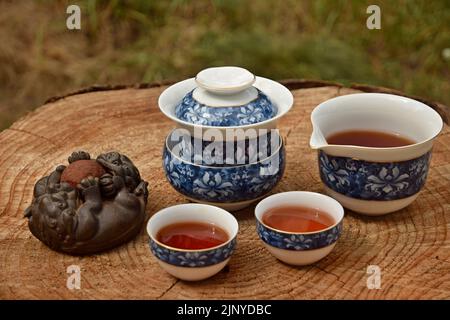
point(317, 140)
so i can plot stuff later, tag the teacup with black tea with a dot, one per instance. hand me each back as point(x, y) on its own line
point(299, 227)
point(192, 241)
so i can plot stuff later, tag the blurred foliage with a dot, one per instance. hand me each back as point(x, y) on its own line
point(143, 40)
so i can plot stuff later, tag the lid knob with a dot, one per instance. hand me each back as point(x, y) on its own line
point(225, 80)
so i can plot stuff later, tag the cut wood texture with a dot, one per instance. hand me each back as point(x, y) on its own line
point(411, 247)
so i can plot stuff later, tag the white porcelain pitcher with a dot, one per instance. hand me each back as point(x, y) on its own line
point(367, 180)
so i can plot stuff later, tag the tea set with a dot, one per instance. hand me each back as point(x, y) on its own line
point(225, 154)
point(370, 181)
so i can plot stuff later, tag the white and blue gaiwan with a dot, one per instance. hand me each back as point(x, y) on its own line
point(192, 265)
point(217, 102)
point(226, 98)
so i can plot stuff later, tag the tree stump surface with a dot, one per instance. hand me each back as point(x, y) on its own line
point(411, 247)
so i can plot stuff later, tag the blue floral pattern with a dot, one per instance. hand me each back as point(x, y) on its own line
point(374, 180)
point(224, 184)
point(298, 242)
point(193, 258)
point(258, 110)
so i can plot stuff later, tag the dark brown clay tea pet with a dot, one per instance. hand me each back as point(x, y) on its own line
point(90, 205)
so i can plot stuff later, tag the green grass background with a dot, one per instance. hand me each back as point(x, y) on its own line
point(142, 41)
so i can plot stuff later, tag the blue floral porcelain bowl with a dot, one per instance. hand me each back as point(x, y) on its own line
point(192, 265)
point(300, 248)
point(231, 187)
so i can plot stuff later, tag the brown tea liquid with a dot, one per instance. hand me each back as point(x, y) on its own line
point(365, 138)
point(192, 235)
point(297, 219)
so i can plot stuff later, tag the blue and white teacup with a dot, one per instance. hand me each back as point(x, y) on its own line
point(300, 248)
point(374, 181)
point(192, 265)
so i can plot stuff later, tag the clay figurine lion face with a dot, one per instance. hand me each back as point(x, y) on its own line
point(120, 165)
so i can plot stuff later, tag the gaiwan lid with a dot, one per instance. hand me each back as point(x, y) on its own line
point(224, 97)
